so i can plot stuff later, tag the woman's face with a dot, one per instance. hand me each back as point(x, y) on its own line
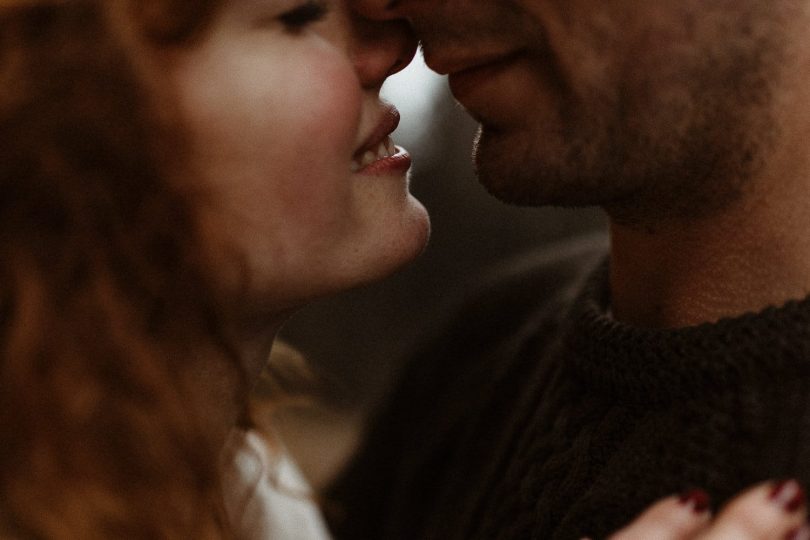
point(281, 103)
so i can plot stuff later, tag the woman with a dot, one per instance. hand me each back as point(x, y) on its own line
point(177, 177)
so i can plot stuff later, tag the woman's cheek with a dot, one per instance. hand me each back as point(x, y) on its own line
point(333, 103)
point(326, 101)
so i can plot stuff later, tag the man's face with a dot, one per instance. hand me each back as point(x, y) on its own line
point(641, 106)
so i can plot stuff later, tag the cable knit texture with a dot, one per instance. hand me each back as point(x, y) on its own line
point(536, 415)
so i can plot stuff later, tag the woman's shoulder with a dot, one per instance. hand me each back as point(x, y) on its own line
point(265, 494)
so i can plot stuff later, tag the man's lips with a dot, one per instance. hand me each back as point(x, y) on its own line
point(467, 72)
point(448, 64)
point(471, 77)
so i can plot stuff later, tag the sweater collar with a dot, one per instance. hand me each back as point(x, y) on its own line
point(650, 365)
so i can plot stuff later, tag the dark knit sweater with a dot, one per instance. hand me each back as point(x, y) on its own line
point(535, 415)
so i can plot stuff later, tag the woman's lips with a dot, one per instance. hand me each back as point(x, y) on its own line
point(379, 155)
point(388, 122)
point(388, 159)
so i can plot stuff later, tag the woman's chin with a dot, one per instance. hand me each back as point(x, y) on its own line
point(394, 256)
point(263, 285)
point(411, 246)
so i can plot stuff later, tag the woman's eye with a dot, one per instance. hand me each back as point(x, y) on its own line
point(303, 15)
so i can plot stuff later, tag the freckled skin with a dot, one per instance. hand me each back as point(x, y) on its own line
point(275, 118)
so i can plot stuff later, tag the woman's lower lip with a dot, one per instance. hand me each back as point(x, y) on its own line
point(399, 163)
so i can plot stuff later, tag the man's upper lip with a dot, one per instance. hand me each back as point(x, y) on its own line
point(450, 65)
point(388, 123)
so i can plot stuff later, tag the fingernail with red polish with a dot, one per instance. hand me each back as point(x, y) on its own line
point(697, 499)
point(801, 533)
point(789, 495)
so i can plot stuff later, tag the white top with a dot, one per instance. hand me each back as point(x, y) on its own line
point(266, 496)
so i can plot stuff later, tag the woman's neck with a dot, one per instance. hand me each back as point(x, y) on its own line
point(222, 394)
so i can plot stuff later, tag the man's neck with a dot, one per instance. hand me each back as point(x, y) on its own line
point(753, 255)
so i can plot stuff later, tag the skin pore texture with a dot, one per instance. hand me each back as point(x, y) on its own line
point(686, 121)
point(275, 113)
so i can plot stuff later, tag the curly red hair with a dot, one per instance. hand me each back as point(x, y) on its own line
point(105, 295)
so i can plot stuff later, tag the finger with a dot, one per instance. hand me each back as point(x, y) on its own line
point(674, 518)
point(767, 512)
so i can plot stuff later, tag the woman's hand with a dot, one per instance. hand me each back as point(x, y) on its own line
point(772, 511)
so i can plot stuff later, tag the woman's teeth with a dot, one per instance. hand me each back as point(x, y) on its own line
point(385, 149)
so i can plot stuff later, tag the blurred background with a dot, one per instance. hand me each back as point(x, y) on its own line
point(357, 341)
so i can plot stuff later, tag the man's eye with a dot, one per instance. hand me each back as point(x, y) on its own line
point(307, 13)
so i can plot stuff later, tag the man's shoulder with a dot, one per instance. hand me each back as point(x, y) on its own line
point(414, 440)
point(484, 326)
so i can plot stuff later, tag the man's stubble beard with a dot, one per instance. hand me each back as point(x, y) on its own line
point(690, 151)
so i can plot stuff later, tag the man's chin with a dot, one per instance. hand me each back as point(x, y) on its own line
point(509, 172)
point(524, 174)
point(500, 169)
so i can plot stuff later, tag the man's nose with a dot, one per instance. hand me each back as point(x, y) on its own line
point(385, 10)
point(382, 47)
point(381, 10)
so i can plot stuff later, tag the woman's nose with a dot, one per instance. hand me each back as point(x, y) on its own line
point(381, 48)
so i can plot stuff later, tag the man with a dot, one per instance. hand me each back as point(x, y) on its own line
point(581, 387)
